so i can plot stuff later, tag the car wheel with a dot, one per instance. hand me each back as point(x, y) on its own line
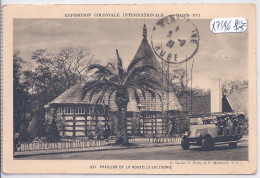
point(185, 143)
point(207, 143)
point(232, 145)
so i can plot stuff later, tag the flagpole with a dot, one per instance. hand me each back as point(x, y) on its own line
point(186, 87)
point(191, 87)
point(162, 94)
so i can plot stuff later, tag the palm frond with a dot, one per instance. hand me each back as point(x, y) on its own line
point(93, 92)
point(146, 84)
point(100, 98)
point(112, 66)
point(109, 96)
point(139, 71)
point(91, 85)
point(96, 102)
point(151, 91)
point(100, 68)
point(120, 64)
point(112, 82)
point(153, 82)
point(143, 92)
point(137, 98)
point(134, 62)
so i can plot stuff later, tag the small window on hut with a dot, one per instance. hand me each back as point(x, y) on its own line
point(90, 110)
point(87, 110)
point(68, 110)
point(99, 111)
point(65, 110)
point(83, 110)
point(80, 110)
point(58, 110)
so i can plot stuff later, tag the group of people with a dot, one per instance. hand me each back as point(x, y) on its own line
point(230, 125)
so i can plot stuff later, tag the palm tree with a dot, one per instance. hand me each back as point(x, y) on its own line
point(110, 79)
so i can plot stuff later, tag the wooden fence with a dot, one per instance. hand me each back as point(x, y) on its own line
point(131, 140)
point(165, 139)
point(36, 146)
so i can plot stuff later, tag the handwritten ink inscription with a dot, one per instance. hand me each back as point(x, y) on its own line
point(224, 25)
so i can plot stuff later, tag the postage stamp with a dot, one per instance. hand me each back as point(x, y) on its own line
point(129, 89)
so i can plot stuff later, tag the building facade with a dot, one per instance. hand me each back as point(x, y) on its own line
point(157, 115)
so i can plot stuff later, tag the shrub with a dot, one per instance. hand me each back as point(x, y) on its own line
point(100, 134)
point(36, 128)
point(52, 134)
point(23, 133)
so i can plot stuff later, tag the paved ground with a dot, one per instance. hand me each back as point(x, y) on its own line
point(221, 152)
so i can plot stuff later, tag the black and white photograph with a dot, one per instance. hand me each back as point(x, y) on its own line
point(113, 84)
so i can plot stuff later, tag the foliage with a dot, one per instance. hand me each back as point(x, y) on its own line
point(181, 86)
point(75, 61)
point(20, 96)
point(90, 134)
point(36, 128)
point(53, 73)
point(23, 133)
point(52, 134)
point(60, 122)
point(100, 132)
point(230, 86)
point(183, 125)
point(178, 81)
point(109, 80)
point(245, 127)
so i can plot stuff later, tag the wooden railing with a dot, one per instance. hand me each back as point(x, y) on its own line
point(131, 140)
point(37, 144)
point(165, 139)
point(66, 144)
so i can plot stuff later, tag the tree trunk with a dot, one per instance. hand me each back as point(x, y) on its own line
point(122, 126)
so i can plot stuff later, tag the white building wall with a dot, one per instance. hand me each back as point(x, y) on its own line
point(216, 95)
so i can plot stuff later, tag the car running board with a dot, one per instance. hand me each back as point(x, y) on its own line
point(221, 143)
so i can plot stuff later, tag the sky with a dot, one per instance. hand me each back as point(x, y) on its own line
point(223, 56)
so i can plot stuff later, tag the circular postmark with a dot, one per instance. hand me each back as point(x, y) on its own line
point(175, 40)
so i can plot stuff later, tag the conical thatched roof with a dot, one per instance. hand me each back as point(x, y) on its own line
point(145, 51)
point(73, 95)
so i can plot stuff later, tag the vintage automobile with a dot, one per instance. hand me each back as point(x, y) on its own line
point(214, 129)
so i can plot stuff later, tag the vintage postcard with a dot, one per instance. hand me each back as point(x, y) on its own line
point(129, 89)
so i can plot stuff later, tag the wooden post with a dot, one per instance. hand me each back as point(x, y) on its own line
point(162, 122)
point(155, 123)
point(152, 123)
point(105, 113)
point(74, 123)
point(143, 124)
point(63, 118)
point(86, 124)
